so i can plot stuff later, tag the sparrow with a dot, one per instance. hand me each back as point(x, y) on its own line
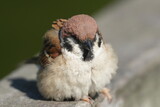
point(75, 61)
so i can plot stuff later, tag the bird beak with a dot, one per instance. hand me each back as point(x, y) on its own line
point(88, 45)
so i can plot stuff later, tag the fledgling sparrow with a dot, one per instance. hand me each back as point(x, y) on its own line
point(75, 61)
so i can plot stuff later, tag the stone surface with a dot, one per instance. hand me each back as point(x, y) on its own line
point(132, 27)
point(143, 90)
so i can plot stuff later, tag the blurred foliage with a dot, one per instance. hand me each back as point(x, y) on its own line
point(23, 23)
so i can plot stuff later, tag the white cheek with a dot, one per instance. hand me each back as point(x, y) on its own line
point(96, 49)
point(75, 53)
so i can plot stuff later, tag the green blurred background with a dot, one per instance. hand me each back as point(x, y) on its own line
point(23, 23)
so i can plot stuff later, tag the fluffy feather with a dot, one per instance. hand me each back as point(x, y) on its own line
point(64, 73)
point(65, 77)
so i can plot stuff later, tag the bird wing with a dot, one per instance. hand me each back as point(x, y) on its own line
point(51, 45)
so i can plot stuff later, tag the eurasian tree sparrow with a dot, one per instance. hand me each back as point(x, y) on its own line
point(75, 61)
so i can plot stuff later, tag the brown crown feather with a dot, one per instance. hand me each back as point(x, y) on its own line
point(82, 26)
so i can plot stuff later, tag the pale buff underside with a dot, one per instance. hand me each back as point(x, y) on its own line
point(104, 65)
point(69, 76)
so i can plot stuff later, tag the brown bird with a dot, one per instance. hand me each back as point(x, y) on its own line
point(75, 61)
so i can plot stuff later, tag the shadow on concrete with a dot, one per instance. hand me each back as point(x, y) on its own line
point(28, 87)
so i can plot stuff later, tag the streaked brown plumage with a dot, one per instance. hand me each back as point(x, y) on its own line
point(51, 43)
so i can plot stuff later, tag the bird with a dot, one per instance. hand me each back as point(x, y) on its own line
point(76, 63)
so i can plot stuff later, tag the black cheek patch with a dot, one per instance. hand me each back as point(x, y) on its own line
point(68, 46)
point(99, 42)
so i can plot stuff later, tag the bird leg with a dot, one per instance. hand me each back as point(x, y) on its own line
point(87, 99)
point(106, 92)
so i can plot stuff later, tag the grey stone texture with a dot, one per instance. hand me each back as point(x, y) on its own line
point(133, 29)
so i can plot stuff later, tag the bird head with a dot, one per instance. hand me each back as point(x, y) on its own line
point(79, 30)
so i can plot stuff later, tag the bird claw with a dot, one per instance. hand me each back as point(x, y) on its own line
point(87, 99)
point(106, 92)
